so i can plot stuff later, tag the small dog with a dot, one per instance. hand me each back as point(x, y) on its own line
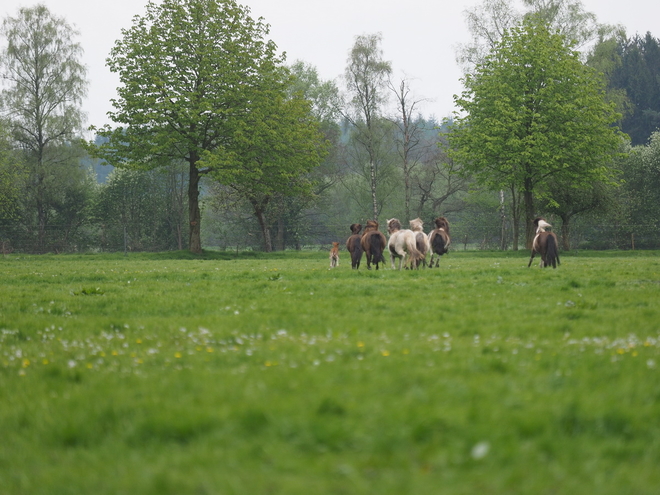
point(334, 255)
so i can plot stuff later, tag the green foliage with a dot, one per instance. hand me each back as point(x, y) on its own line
point(12, 175)
point(44, 85)
point(45, 81)
point(641, 173)
point(190, 73)
point(273, 374)
point(366, 77)
point(633, 80)
point(532, 112)
point(141, 210)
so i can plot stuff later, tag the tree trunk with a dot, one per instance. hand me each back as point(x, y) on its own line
point(41, 225)
point(194, 214)
point(566, 233)
point(372, 166)
point(515, 215)
point(530, 232)
point(280, 233)
point(406, 180)
point(503, 220)
point(265, 230)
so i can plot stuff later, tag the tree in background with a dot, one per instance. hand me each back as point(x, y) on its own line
point(409, 142)
point(439, 184)
point(136, 210)
point(11, 175)
point(641, 174)
point(44, 86)
point(568, 202)
point(273, 150)
point(534, 113)
point(366, 79)
point(488, 21)
point(632, 71)
point(190, 70)
point(301, 216)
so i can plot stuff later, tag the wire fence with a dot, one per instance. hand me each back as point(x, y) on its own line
point(464, 238)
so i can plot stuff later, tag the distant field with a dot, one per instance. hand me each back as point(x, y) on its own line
point(271, 374)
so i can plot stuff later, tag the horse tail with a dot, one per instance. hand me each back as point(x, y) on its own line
point(372, 246)
point(354, 246)
point(415, 254)
point(552, 252)
point(422, 242)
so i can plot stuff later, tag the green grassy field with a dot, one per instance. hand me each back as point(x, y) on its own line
point(271, 374)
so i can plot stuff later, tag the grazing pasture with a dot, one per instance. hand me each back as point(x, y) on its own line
point(272, 374)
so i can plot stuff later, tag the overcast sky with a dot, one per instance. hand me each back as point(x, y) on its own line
point(419, 37)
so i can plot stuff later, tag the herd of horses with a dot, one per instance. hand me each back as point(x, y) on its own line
point(412, 246)
point(409, 246)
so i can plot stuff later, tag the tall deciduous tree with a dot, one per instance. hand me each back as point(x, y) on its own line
point(190, 70)
point(44, 86)
point(366, 80)
point(488, 21)
point(408, 141)
point(532, 112)
point(273, 149)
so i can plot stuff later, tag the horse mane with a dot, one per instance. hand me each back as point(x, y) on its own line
point(393, 225)
point(442, 223)
point(371, 225)
point(416, 225)
point(541, 225)
point(355, 228)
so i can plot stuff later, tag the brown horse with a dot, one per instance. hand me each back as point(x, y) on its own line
point(545, 244)
point(354, 246)
point(373, 243)
point(439, 240)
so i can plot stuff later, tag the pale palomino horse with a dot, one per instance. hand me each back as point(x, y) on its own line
point(373, 243)
point(402, 245)
point(545, 244)
point(354, 246)
point(439, 240)
point(423, 243)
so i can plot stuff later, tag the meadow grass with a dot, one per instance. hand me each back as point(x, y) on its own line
point(271, 374)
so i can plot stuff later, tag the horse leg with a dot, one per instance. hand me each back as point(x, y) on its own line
point(530, 259)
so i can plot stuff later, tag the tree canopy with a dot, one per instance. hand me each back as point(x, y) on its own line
point(533, 112)
point(191, 71)
point(44, 85)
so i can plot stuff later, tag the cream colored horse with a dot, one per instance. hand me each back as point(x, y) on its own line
point(423, 243)
point(402, 245)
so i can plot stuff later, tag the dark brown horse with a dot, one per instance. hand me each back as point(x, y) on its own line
point(439, 239)
point(373, 243)
point(545, 244)
point(354, 246)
